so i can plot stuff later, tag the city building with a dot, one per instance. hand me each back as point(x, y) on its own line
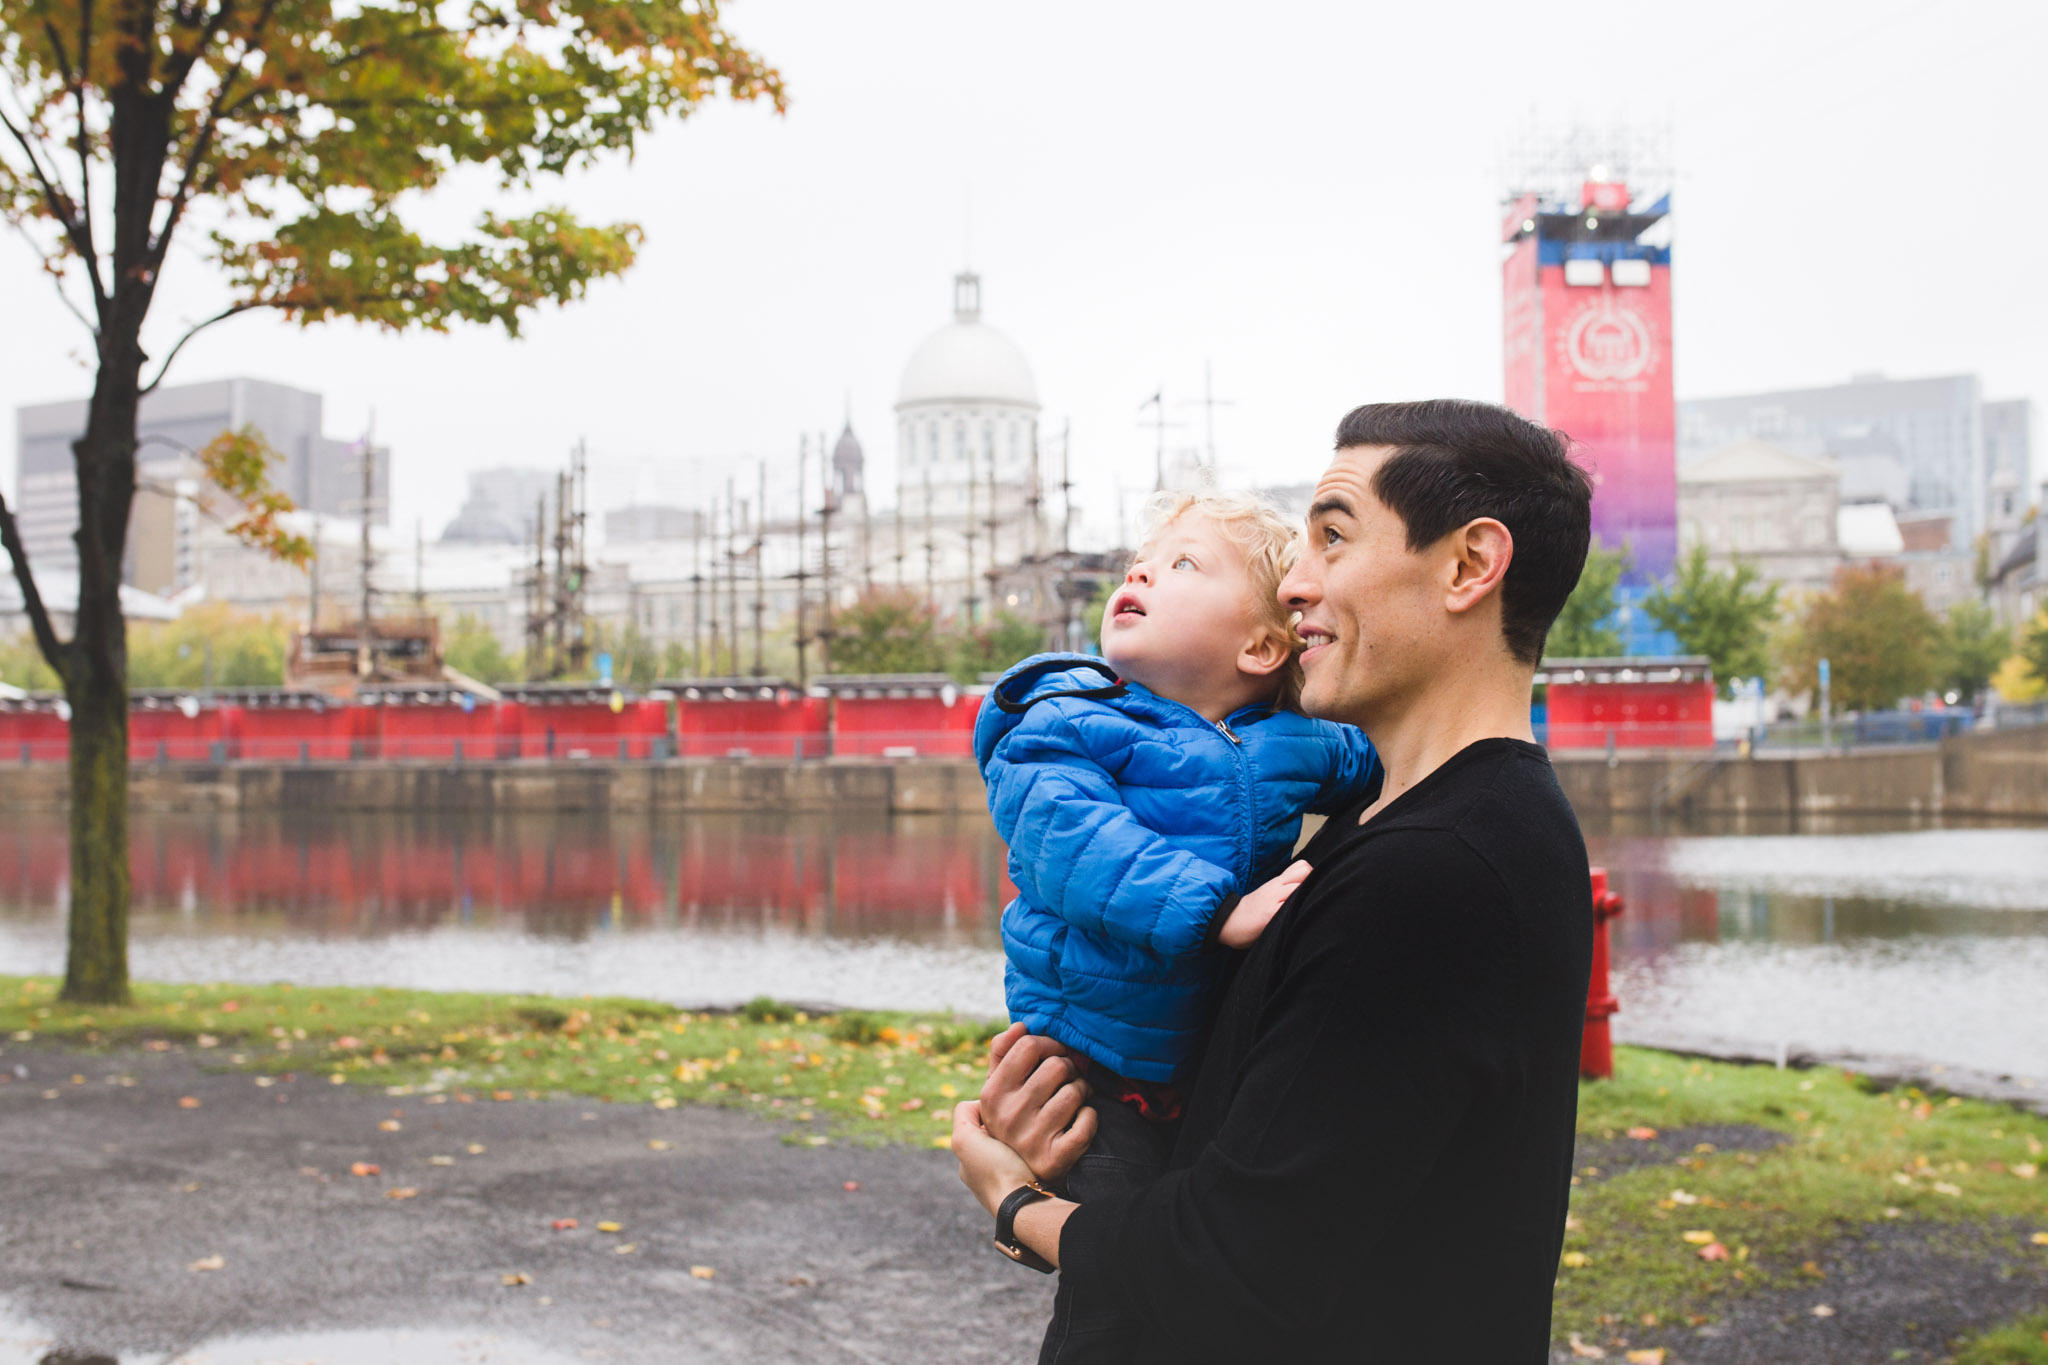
point(1937, 436)
point(502, 507)
point(319, 474)
point(1767, 506)
point(645, 522)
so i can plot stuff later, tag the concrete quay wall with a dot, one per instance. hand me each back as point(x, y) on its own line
point(1999, 773)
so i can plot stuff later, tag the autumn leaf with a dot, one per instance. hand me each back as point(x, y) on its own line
point(1642, 1134)
point(403, 1192)
point(516, 1277)
point(475, 1149)
point(209, 1263)
point(563, 1224)
point(188, 1102)
point(659, 1144)
point(390, 1125)
point(366, 1168)
point(850, 1186)
point(1698, 1236)
point(1653, 1355)
point(2039, 1239)
point(1714, 1251)
point(625, 1248)
point(609, 1226)
point(701, 1272)
point(1576, 1260)
point(1585, 1350)
point(1821, 1310)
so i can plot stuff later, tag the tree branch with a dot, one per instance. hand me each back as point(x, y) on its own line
point(55, 651)
point(62, 209)
point(222, 316)
point(202, 136)
point(76, 78)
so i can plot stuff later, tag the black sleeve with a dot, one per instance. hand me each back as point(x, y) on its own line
point(1369, 1052)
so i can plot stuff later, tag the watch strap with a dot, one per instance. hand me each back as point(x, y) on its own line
point(1006, 1227)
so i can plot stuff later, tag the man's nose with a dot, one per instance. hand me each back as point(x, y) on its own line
point(1298, 589)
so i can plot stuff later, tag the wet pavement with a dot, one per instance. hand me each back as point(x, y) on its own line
point(154, 1212)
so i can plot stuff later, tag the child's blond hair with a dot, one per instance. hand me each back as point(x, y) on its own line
point(1270, 542)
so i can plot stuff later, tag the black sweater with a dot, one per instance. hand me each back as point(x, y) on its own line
point(1377, 1150)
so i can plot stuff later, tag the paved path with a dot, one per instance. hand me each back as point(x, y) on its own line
point(113, 1190)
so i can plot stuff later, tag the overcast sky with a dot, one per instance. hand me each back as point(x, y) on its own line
point(1306, 196)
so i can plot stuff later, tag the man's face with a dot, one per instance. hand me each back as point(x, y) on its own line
point(1371, 609)
point(1184, 611)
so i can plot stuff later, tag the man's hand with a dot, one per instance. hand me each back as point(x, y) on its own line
point(1032, 1103)
point(1255, 910)
point(988, 1169)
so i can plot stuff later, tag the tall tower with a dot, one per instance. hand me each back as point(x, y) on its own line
point(1586, 279)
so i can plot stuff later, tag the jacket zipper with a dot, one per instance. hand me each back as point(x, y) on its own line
point(1228, 733)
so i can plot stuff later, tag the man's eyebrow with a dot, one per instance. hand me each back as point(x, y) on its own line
point(1333, 503)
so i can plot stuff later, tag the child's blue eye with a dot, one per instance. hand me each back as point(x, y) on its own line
point(1183, 561)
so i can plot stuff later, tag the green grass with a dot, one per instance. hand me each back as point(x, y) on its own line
point(2019, 1343)
point(868, 1077)
point(1853, 1158)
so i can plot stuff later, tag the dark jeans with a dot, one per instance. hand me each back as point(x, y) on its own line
point(1129, 1150)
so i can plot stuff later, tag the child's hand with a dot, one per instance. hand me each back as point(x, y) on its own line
point(1256, 908)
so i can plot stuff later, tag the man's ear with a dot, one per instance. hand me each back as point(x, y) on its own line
point(1266, 653)
point(1482, 550)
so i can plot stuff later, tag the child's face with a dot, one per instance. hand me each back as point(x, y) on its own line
point(1186, 611)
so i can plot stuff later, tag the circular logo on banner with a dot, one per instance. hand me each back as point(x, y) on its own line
point(1609, 341)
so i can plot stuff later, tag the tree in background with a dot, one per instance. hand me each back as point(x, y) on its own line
point(1971, 647)
point(473, 649)
point(212, 644)
point(1585, 629)
point(1725, 616)
point(993, 647)
point(22, 665)
point(889, 630)
point(1879, 640)
point(2023, 677)
point(293, 135)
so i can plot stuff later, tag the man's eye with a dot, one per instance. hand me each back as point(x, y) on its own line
point(1184, 563)
point(1330, 536)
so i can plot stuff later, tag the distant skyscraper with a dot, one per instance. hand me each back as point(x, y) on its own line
point(319, 473)
point(1948, 442)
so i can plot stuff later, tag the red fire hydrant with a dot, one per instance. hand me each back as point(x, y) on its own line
point(1596, 1050)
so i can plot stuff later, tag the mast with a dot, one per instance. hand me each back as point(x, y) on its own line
point(760, 516)
point(697, 594)
point(366, 641)
point(825, 568)
point(803, 566)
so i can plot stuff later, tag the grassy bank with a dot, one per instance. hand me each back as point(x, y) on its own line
point(865, 1077)
point(1703, 1189)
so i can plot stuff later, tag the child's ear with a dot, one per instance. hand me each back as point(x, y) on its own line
point(1265, 654)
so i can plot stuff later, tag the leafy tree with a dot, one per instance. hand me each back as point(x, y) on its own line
point(210, 645)
point(472, 648)
point(294, 135)
point(1971, 647)
point(1091, 615)
point(1879, 639)
point(2033, 649)
point(995, 646)
point(889, 630)
point(1585, 629)
point(2023, 677)
point(1724, 615)
point(22, 665)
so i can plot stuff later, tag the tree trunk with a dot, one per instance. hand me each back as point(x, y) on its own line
point(96, 685)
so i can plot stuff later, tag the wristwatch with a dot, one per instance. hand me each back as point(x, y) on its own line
point(1006, 1226)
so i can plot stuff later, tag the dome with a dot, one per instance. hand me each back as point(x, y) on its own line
point(967, 361)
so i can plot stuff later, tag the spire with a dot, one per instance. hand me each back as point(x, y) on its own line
point(967, 297)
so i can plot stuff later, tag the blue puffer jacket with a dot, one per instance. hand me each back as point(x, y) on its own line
point(1131, 821)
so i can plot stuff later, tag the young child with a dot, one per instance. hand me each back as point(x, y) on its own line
point(1150, 800)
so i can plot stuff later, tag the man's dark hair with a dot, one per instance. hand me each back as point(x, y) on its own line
point(1456, 460)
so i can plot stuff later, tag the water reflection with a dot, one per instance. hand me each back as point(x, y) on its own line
point(1853, 936)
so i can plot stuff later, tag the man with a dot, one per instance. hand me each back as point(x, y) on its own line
point(1376, 1153)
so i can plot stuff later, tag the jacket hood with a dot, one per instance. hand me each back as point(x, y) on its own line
point(1038, 677)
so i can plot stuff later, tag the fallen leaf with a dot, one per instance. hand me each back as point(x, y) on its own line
point(625, 1248)
point(1714, 1251)
point(914, 1102)
point(366, 1168)
point(1821, 1310)
point(850, 1186)
point(440, 1161)
point(665, 1102)
point(943, 1140)
point(1813, 1268)
point(347, 1041)
point(188, 1102)
point(403, 1192)
point(501, 1094)
point(1698, 1236)
point(1586, 1351)
point(563, 1224)
point(209, 1263)
point(609, 1226)
point(516, 1277)
point(799, 1281)
point(191, 1187)
point(391, 1125)
point(2039, 1239)
point(1944, 1187)
point(1642, 1134)
point(1652, 1356)
point(2026, 1170)
point(1576, 1260)
point(476, 1149)
point(659, 1144)
point(1681, 1197)
point(701, 1272)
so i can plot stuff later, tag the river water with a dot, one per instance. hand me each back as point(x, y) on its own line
point(1875, 939)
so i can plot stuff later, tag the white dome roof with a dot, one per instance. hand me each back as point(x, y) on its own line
point(967, 361)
